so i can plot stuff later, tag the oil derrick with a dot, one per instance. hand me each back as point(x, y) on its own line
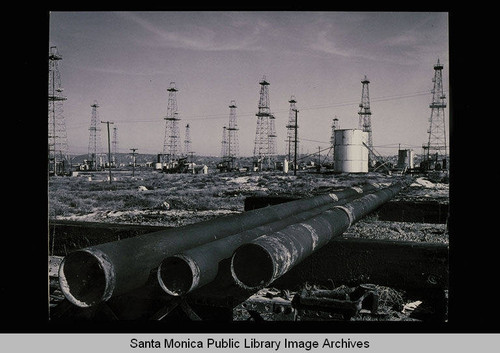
point(115, 147)
point(272, 139)
point(223, 150)
point(232, 136)
point(58, 157)
point(335, 126)
point(171, 143)
point(265, 137)
point(95, 148)
point(187, 141)
point(365, 119)
point(435, 152)
point(291, 138)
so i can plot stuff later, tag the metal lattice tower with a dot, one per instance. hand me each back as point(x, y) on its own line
point(291, 138)
point(95, 147)
point(436, 149)
point(265, 136)
point(223, 150)
point(365, 117)
point(171, 143)
point(335, 126)
point(187, 140)
point(58, 155)
point(272, 138)
point(232, 135)
point(115, 147)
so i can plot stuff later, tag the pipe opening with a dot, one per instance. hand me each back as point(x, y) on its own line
point(175, 276)
point(83, 279)
point(252, 266)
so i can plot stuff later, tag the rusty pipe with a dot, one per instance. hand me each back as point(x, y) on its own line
point(184, 272)
point(258, 263)
point(94, 274)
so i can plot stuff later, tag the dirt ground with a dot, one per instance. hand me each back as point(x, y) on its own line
point(172, 200)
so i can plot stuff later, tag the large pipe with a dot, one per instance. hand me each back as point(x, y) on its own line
point(94, 274)
point(258, 263)
point(184, 272)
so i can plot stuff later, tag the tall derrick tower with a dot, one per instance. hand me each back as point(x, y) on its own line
point(95, 147)
point(232, 136)
point(335, 126)
point(365, 118)
point(114, 149)
point(187, 140)
point(265, 137)
point(171, 142)
point(435, 151)
point(272, 140)
point(58, 156)
point(223, 150)
point(291, 138)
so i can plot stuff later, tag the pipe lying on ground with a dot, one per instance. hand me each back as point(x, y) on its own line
point(258, 263)
point(94, 274)
point(195, 267)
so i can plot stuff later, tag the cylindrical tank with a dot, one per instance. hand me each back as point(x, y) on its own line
point(285, 166)
point(350, 154)
point(405, 158)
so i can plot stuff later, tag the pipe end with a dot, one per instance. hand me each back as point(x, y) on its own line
point(252, 267)
point(178, 275)
point(86, 278)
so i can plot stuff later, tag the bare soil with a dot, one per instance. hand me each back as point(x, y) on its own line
point(152, 198)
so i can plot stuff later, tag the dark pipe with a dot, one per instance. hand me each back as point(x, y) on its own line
point(95, 274)
point(195, 267)
point(258, 263)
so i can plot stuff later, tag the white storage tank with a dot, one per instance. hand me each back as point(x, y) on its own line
point(405, 159)
point(350, 155)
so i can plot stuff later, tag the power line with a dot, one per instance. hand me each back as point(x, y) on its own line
point(250, 114)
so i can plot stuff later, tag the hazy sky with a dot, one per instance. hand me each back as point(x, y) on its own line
point(126, 61)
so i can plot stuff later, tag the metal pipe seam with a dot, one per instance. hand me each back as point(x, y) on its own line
point(274, 254)
point(86, 279)
point(256, 264)
point(204, 259)
point(349, 214)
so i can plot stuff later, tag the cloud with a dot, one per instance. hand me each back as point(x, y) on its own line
point(202, 36)
point(324, 43)
point(385, 37)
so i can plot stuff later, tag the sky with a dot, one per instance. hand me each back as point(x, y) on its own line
point(126, 61)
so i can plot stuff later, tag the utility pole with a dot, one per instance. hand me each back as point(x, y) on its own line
point(133, 159)
point(109, 148)
point(289, 148)
point(295, 145)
